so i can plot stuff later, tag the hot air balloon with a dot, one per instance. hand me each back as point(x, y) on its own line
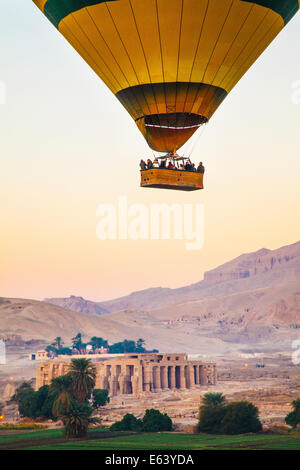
point(170, 63)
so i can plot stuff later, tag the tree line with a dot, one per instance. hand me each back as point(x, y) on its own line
point(94, 345)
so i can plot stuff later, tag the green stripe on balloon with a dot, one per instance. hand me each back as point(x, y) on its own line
point(56, 10)
point(285, 8)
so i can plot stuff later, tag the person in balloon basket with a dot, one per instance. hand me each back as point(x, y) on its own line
point(200, 168)
point(149, 164)
point(188, 166)
point(143, 165)
point(155, 163)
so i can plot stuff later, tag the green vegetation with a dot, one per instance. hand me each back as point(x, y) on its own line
point(77, 419)
point(212, 411)
point(34, 404)
point(61, 388)
point(241, 417)
point(293, 418)
point(72, 392)
point(218, 416)
point(99, 398)
point(21, 427)
point(68, 398)
point(153, 421)
point(107, 440)
point(57, 347)
point(82, 374)
point(94, 345)
point(128, 423)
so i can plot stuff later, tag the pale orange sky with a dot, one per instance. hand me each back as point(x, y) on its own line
point(67, 145)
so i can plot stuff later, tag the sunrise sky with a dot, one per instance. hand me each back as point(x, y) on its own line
point(67, 145)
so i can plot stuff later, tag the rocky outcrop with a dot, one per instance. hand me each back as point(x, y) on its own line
point(78, 304)
point(252, 264)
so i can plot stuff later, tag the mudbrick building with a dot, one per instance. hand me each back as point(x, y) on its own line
point(138, 373)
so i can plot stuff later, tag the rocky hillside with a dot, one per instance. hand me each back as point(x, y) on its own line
point(78, 304)
point(251, 271)
point(31, 319)
point(251, 301)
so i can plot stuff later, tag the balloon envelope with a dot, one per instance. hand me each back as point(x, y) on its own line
point(169, 62)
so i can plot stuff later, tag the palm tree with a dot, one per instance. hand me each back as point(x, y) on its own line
point(61, 387)
point(140, 345)
point(77, 341)
point(77, 420)
point(58, 342)
point(213, 399)
point(83, 376)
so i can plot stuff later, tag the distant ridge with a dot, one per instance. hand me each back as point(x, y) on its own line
point(249, 303)
point(258, 269)
point(78, 304)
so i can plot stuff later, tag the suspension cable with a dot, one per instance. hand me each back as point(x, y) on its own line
point(197, 140)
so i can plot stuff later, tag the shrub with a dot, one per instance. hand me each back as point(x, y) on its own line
point(293, 418)
point(241, 417)
point(100, 398)
point(34, 404)
point(212, 412)
point(211, 419)
point(218, 416)
point(128, 423)
point(155, 421)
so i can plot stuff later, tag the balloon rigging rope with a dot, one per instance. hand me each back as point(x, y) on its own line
point(193, 145)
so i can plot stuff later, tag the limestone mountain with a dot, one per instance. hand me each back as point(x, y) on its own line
point(261, 269)
point(251, 301)
point(31, 319)
point(78, 304)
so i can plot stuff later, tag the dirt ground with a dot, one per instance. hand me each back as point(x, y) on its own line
point(272, 388)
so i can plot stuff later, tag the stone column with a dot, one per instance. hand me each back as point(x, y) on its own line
point(164, 377)
point(156, 378)
point(172, 377)
point(61, 369)
point(182, 377)
point(103, 382)
point(40, 376)
point(147, 378)
point(138, 371)
point(191, 376)
point(113, 382)
point(134, 381)
point(51, 373)
point(196, 373)
point(203, 375)
point(98, 380)
point(122, 383)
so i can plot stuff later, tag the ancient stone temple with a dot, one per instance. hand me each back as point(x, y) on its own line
point(138, 373)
